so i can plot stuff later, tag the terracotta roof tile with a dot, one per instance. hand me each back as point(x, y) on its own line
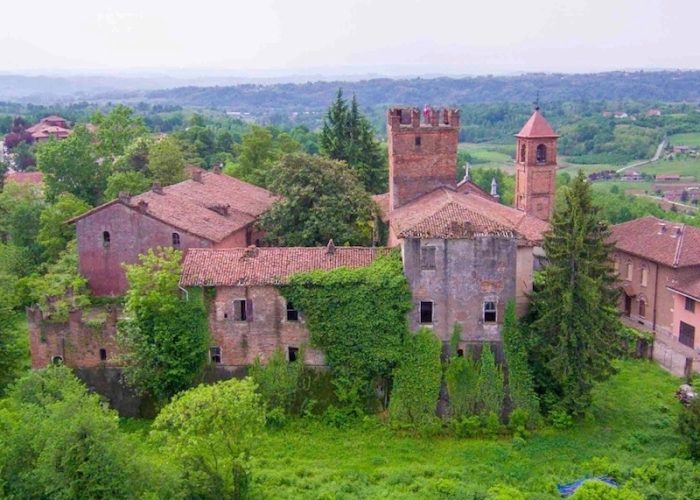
point(441, 211)
point(687, 284)
point(213, 209)
point(267, 266)
point(670, 243)
point(469, 187)
point(537, 127)
point(25, 177)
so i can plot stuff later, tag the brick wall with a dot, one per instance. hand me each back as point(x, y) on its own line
point(535, 181)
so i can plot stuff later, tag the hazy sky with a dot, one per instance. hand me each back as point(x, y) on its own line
point(259, 37)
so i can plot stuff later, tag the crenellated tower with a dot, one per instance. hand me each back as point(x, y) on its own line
point(535, 167)
point(422, 152)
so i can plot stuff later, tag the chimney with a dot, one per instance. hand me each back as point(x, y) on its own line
point(143, 206)
point(124, 197)
point(494, 188)
point(197, 175)
point(677, 231)
point(250, 252)
point(330, 248)
point(156, 188)
point(662, 228)
point(216, 168)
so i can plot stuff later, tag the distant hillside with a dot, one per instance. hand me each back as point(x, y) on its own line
point(662, 86)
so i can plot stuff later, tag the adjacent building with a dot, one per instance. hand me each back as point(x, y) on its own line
point(51, 127)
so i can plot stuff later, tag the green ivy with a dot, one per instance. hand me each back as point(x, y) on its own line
point(358, 318)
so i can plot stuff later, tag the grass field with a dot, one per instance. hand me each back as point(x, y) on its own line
point(632, 420)
point(683, 167)
point(688, 139)
point(490, 155)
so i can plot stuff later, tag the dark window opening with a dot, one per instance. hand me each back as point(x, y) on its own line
point(687, 335)
point(293, 354)
point(642, 308)
point(57, 360)
point(427, 257)
point(103, 354)
point(689, 304)
point(292, 313)
point(426, 312)
point(489, 312)
point(417, 140)
point(176, 240)
point(541, 153)
point(106, 238)
point(522, 153)
point(240, 312)
point(460, 353)
point(215, 354)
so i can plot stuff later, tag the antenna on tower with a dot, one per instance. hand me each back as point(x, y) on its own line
point(537, 101)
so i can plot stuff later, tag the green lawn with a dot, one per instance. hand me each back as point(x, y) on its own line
point(490, 155)
point(687, 139)
point(683, 167)
point(632, 420)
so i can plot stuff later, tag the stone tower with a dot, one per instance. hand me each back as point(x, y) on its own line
point(535, 167)
point(422, 152)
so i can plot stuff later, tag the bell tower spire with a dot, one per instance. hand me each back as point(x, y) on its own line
point(536, 166)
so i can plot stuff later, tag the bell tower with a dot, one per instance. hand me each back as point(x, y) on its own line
point(536, 167)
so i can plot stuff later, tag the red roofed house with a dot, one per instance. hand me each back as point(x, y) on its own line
point(659, 266)
point(51, 126)
point(211, 210)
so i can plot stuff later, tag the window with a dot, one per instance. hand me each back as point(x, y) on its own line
point(522, 153)
point(176, 240)
point(292, 354)
point(541, 153)
point(240, 310)
point(215, 354)
point(57, 360)
point(417, 141)
point(645, 276)
point(642, 308)
point(616, 265)
point(630, 269)
point(687, 334)
point(426, 312)
point(103, 354)
point(689, 305)
point(106, 238)
point(427, 257)
point(292, 313)
point(489, 312)
point(460, 353)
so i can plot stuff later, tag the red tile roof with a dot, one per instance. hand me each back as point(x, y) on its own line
point(25, 177)
point(536, 127)
point(668, 243)
point(687, 284)
point(213, 209)
point(267, 266)
point(445, 213)
point(469, 187)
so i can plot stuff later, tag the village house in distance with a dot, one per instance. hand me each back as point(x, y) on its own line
point(465, 254)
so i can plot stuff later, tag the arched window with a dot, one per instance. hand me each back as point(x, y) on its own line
point(541, 153)
point(176, 240)
point(642, 308)
point(645, 276)
point(522, 153)
point(105, 239)
point(629, 271)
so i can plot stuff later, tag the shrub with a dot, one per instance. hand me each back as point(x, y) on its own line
point(598, 490)
point(489, 387)
point(461, 376)
point(561, 419)
point(417, 379)
point(466, 427)
point(689, 428)
point(277, 380)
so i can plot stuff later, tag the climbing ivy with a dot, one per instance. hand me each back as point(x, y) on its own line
point(489, 386)
point(357, 317)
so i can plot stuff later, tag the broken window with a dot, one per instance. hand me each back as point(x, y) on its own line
point(106, 238)
point(460, 353)
point(292, 313)
point(215, 354)
point(489, 312)
point(427, 257)
point(426, 312)
point(292, 354)
point(176, 240)
point(57, 360)
point(417, 141)
point(103, 354)
point(642, 308)
point(689, 305)
point(240, 310)
point(687, 334)
point(541, 153)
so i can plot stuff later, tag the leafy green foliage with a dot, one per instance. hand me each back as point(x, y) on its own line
point(117, 130)
point(165, 337)
point(70, 166)
point(259, 150)
point(277, 381)
point(321, 200)
point(598, 490)
point(461, 375)
point(347, 136)
point(210, 430)
point(166, 163)
point(489, 385)
point(130, 182)
point(20, 207)
point(689, 428)
point(670, 479)
point(11, 356)
point(357, 317)
point(54, 233)
point(576, 321)
point(417, 379)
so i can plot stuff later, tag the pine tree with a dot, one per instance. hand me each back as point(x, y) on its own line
point(489, 386)
point(347, 135)
point(575, 325)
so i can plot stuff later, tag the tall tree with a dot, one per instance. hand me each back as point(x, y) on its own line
point(347, 135)
point(166, 162)
point(10, 347)
point(575, 324)
point(321, 200)
point(116, 130)
point(71, 166)
point(54, 234)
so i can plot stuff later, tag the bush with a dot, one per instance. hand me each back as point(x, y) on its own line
point(466, 427)
point(489, 386)
point(689, 428)
point(277, 381)
point(417, 379)
point(461, 376)
point(598, 490)
point(672, 479)
point(561, 419)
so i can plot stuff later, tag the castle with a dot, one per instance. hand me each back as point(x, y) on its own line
point(465, 255)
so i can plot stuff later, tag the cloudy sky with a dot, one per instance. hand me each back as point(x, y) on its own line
point(392, 37)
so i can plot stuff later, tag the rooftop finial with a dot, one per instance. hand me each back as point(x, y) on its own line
point(537, 101)
point(466, 171)
point(494, 188)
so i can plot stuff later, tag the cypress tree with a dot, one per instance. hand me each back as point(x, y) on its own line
point(347, 135)
point(574, 331)
point(520, 384)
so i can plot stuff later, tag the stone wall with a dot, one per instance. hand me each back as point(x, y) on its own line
point(468, 272)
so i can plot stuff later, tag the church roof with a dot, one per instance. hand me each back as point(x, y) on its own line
point(536, 127)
